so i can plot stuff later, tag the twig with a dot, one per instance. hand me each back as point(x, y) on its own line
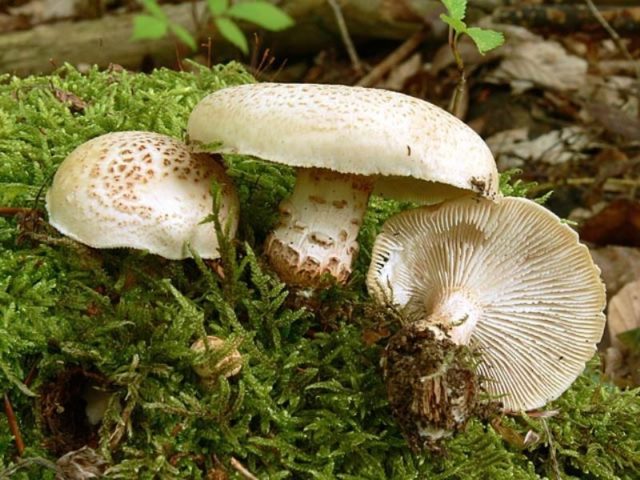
point(614, 183)
point(31, 375)
point(178, 57)
point(257, 43)
point(11, 211)
point(552, 450)
point(394, 58)
point(13, 425)
point(242, 470)
point(346, 38)
point(614, 36)
point(43, 462)
point(459, 93)
point(265, 63)
point(278, 71)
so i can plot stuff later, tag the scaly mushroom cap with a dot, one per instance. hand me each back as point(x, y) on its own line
point(513, 280)
point(140, 190)
point(401, 140)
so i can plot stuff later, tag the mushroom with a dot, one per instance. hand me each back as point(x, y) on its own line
point(506, 279)
point(228, 366)
point(140, 190)
point(97, 401)
point(346, 143)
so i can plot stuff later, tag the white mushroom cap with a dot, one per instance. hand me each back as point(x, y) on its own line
point(512, 280)
point(140, 190)
point(403, 141)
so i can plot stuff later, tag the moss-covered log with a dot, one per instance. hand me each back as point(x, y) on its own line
point(309, 402)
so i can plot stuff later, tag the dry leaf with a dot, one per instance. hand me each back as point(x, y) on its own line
point(508, 434)
point(624, 312)
point(543, 413)
point(40, 11)
point(82, 464)
point(622, 368)
point(371, 336)
point(531, 438)
point(611, 163)
point(75, 103)
point(541, 63)
point(512, 148)
point(11, 23)
point(615, 91)
point(615, 121)
point(401, 73)
point(618, 266)
point(617, 224)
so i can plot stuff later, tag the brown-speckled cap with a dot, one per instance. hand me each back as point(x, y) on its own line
point(140, 190)
point(404, 141)
point(533, 289)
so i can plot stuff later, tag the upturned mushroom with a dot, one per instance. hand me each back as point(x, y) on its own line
point(506, 279)
point(141, 190)
point(346, 142)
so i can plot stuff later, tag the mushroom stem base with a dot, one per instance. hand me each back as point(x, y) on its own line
point(432, 384)
point(318, 227)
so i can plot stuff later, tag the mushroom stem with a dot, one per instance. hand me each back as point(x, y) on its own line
point(431, 384)
point(318, 227)
point(456, 313)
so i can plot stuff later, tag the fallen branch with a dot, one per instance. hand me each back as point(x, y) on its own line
point(397, 56)
point(570, 18)
point(346, 37)
point(614, 36)
point(12, 211)
point(106, 40)
point(611, 184)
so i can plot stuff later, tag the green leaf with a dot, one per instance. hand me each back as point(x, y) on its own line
point(458, 25)
point(485, 40)
point(263, 14)
point(631, 339)
point(232, 33)
point(154, 9)
point(218, 7)
point(457, 8)
point(184, 36)
point(148, 27)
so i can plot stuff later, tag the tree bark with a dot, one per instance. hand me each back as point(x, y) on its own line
point(108, 40)
point(571, 19)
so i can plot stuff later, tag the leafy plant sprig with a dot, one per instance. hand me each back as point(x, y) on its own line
point(484, 39)
point(511, 187)
point(155, 24)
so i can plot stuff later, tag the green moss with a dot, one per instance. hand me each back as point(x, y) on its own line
point(310, 402)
